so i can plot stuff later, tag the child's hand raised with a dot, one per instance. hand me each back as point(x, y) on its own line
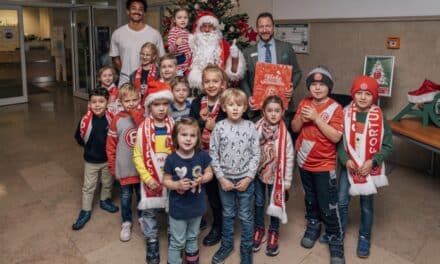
point(210, 123)
point(309, 113)
point(204, 114)
point(226, 184)
point(243, 184)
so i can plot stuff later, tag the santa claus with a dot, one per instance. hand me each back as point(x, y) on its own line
point(208, 46)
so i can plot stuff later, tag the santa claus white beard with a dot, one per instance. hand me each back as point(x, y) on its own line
point(205, 49)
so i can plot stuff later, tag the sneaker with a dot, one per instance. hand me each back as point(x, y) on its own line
point(214, 236)
point(125, 234)
point(336, 252)
point(108, 206)
point(363, 247)
point(258, 237)
point(83, 218)
point(311, 234)
point(272, 248)
point(192, 258)
point(425, 93)
point(246, 255)
point(153, 256)
point(222, 253)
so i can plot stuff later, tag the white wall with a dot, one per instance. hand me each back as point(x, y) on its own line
point(325, 9)
point(255, 7)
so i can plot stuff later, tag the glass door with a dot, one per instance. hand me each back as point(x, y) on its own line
point(82, 52)
point(13, 88)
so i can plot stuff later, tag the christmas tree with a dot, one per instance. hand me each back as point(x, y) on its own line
point(233, 26)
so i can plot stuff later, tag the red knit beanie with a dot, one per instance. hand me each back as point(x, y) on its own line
point(365, 83)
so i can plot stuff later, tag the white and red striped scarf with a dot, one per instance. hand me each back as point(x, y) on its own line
point(86, 124)
point(369, 144)
point(158, 198)
point(206, 133)
point(277, 206)
point(138, 80)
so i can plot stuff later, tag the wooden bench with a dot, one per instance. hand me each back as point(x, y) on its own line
point(413, 130)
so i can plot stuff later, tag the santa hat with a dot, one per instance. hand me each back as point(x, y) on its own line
point(425, 94)
point(365, 83)
point(204, 17)
point(320, 74)
point(158, 90)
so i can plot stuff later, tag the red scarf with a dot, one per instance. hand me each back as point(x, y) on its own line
point(86, 124)
point(138, 81)
point(157, 198)
point(369, 144)
point(206, 134)
point(114, 106)
point(277, 206)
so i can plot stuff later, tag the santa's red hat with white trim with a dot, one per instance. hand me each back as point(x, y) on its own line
point(425, 93)
point(205, 17)
point(158, 90)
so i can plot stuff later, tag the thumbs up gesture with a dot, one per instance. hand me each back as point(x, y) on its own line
point(234, 49)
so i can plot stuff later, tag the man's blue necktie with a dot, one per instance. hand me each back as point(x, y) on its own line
point(268, 54)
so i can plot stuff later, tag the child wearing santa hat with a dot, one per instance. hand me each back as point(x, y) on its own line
point(367, 142)
point(153, 145)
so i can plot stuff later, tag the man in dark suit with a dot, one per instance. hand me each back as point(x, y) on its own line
point(269, 49)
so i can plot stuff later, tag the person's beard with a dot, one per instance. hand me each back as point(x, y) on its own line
point(207, 47)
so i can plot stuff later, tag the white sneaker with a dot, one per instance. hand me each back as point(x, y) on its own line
point(125, 234)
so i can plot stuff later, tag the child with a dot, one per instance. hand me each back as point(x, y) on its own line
point(106, 77)
point(120, 142)
point(147, 70)
point(367, 143)
point(168, 68)
point(178, 40)
point(181, 106)
point(207, 110)
point(235, 153)
point(91, 133)
point(274, 173)
point(185, 171)
point(153, 145)
point(319, 122)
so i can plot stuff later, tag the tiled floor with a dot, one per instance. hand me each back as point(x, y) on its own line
point(40, 186)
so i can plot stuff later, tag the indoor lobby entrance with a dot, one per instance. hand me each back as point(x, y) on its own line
point(49, 45)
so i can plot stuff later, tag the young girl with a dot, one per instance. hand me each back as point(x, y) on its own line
point(274, 173)
point(106, 77)
point(186, 170)
point(147, 70)
point(207, 110)
point(181, 106)
point(168, 68)
point(178, 40)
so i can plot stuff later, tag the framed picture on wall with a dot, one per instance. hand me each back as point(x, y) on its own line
point(380, 68)
point(295, 34)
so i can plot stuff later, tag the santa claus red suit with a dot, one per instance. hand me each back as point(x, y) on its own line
point(211, 47)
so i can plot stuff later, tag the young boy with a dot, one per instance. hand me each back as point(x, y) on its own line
point(206, 109)
point(91, 134)
point(181, 105)
point(153, 145)
point(319, 122)
point(235, 152)
point(120, 142)
point(367, 143)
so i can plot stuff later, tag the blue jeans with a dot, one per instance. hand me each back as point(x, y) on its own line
point(243, 201)
point(260, 200)
point(149, 220)
point(367, 206)
point(321, 200)
point(126, 194)
point(184, 235)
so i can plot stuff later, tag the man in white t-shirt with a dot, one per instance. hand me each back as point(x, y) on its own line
point(128, 39)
